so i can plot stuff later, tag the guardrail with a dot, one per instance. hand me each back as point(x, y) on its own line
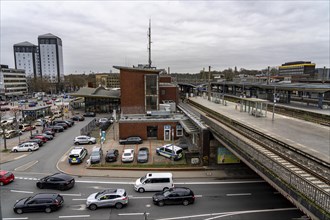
point(305, 193)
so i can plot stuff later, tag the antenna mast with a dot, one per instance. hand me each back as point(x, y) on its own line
point(149, 47)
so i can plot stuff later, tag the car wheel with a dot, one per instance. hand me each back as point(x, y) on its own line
point(29, 150)
point(48, 210)
point(119, 205)
point(141, 190)
point(161, 203)
point(185, 202)
point(19, 211)
point(15, 151)
point(90, 142)
point(40, 186)
point(1, 184)
point(92, 207)
point(77, 143)
point(166, 188)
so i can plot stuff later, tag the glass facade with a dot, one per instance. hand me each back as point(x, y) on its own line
point(101, 105)
point(151, 92)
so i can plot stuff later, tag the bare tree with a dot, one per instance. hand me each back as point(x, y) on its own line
point(3, 129)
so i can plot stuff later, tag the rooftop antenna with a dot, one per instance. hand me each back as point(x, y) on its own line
point(149, 47)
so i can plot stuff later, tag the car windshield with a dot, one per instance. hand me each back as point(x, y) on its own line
point(142, 153)
point(127, 154)
point(95, 153)
point(166, 193)
point(7, 174)
point(74, 156)
point(143, 178)
point(28, 199)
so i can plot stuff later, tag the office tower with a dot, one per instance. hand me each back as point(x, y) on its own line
point(51, 57)
point(27, 58)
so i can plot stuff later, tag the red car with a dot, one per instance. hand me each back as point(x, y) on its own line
point(41, 138)
point(6, 177)
point(49, 102)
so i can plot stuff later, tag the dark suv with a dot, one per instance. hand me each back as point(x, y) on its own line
point(42, 202)
point(174, 196)
point(112, 155)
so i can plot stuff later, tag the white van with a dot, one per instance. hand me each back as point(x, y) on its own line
point(154, 182)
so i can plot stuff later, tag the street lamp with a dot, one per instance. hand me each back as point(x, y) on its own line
point(274, 103)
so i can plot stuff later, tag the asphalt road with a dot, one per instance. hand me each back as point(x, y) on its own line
point(214, 200)
point(45, 159)
point(220, 199)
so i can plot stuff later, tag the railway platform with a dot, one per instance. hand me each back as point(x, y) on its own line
point(306, 136)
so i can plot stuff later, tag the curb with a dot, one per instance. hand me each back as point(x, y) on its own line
point(152, 168)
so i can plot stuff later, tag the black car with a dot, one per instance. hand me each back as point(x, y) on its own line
point(131, 140)
point(49, 132)
point(78, 118)
point(89, 114)
point(56, 128)
point(71, 122)
point(143, 155)
point(59, 181)
point(42, 202)
point(174, 196)
point(61, 123)
point(64, 125)
point(111, 155)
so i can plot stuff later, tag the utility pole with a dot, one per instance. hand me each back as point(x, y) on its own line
point(209, 85)
point(268, 75)
point(323, 75)
point(274, 103)
point(149, 43)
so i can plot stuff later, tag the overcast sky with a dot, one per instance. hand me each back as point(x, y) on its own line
point(186, 35)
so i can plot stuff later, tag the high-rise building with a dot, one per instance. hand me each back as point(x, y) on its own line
point(27, 58)
point(12, 83)
point(51, 57)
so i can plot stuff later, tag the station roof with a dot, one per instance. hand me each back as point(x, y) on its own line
point(310, 87)
point(36, 108)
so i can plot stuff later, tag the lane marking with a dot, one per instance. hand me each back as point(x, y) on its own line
point(150, 197)
point(78, 199)
point(16, 158)
point(137, 213)
point(63, 194)
point(104, 182)
point(74, 216)
point(222, 214)
point(205, 183)
point(239, 194)
point(26, 166)
point(14, 218)
point(18, 191)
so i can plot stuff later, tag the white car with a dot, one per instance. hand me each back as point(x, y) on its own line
point(128, 155)
point(103, 120)
point(84, 140)
point(29, 146)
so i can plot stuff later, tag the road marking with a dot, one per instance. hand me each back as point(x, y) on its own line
point(239, 194)
point(78, 199)
point(62, 194)
point(224, 214)
point(74, 216)
point(18, 191)
point(15, 218)
point(25, 178)
point(104, 182)
point(16, 158)
point(150, 197)
point(137, 213)
point(26, 166)
point(226, 182)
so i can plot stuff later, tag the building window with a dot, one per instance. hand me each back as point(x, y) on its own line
point(151, 92)
point(179, 131)
point(163, 91)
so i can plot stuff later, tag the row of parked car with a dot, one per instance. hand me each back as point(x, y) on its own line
point(162, 183)
point(39, 139)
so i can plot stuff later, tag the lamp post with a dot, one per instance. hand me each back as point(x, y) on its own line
point(274, 103)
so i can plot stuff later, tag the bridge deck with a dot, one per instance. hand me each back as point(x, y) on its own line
point(306, 136)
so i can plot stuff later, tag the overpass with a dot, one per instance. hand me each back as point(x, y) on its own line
point(291, 155)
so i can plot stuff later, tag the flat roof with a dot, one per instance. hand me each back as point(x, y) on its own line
point(145, 118)
point(36, 108)
point(137, 69)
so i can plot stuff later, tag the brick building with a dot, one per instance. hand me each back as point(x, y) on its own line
point(144, 109)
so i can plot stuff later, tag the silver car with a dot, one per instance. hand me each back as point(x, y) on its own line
point(84, 140)
point(109, 197)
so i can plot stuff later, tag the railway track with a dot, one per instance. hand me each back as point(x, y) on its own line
point(305, 173)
